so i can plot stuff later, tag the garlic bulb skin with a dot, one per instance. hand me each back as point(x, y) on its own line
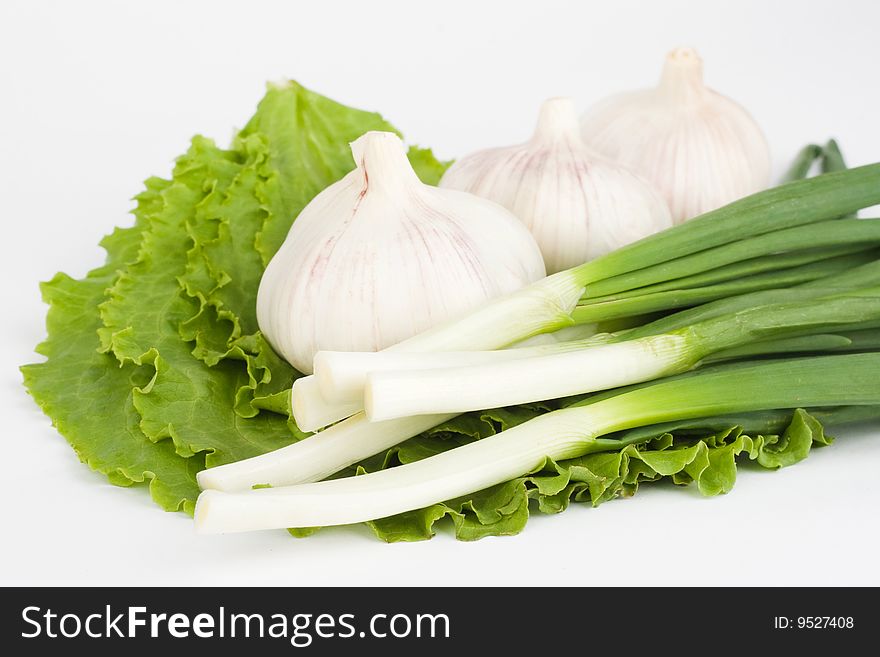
point(378, 257)
point(700, 149)
point(577, 204)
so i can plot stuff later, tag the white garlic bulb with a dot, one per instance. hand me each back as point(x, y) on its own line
point(577, 204)
point(379, 256)
point(700, 149)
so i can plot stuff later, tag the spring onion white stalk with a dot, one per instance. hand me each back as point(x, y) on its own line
point(318, 402)
point(342, 375)
point(390, 394)
point(567, 334)
point(318, 456)
point(548, 305)
point(824, 381)
point(313, 411)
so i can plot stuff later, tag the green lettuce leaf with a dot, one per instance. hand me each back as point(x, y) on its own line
point(89, 396)
point(184, 399)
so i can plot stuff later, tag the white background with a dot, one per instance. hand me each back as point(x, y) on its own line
point(95, 97)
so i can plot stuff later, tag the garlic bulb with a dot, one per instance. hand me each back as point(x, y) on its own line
point(378, 257)
point(700, 149)
point(577, 204)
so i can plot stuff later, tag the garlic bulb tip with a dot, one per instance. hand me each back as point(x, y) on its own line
point(381, 158)
point(698, 148)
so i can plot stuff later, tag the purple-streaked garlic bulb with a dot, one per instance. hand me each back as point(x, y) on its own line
point(378, 257)
point(577, 204)
point(700, 149)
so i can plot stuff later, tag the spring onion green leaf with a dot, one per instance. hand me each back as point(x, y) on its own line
point(803, 162)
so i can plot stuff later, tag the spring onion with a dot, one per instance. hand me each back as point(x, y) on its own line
point(391, 394)
point(356, 438)
point(849, 379)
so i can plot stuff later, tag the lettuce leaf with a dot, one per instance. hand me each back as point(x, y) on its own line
point(184, 399)
point(89, 396)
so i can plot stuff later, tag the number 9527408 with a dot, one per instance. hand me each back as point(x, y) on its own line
point(824, 622)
